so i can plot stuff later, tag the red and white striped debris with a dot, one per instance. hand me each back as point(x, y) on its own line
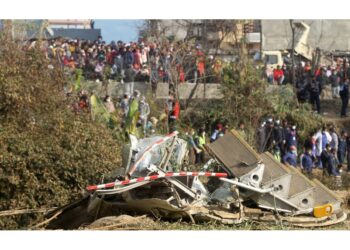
point(149, 148)
point(154, 177)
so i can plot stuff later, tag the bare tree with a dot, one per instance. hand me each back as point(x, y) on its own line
point(179, 39)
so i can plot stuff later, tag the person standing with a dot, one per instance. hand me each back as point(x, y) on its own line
point(137, 60)
point(335, 139)
point(269, 134)
point(325, 158)
point(333, 164)
point(291, 139)
point(130, 74)
point(194, 150)
point(154, 59)
point(241, 130)
point(344, 95)
point(124, 105)
point(306, 161)
point(261, 137)
point(342, 147)
point(144, 113)
point(334, 80)
point(278, 134)
point(200, 142)
point(329, 161)
point(285, 133)
point(133, 114)
point(128, 62)
point(348, 153)
point(200, 65)
point(173, 112)
point(322, 139)
point(315, 91)
point(278, 75)
point(99, 68)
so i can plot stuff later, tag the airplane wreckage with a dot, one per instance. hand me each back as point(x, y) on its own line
point(237, 185)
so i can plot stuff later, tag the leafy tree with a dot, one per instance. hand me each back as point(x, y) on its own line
point(48, 153)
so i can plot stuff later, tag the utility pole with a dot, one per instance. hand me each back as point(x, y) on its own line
point(261, 38)
point(292, 51)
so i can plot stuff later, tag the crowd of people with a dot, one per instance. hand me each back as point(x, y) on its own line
point(128, 62)
point(135, 61)
point(324, 149)
point(311, 82)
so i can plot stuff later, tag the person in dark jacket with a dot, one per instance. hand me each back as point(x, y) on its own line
point(344, 95)
point(260, 138)
point(333, 164)
point(314, 88)
point(285, 132)
point(303, 94)
point(342, 147)
point(128, 58)
point(278, 134)
point(269, 134)
point(291, 157)
point(348, 152)
point(325, 158)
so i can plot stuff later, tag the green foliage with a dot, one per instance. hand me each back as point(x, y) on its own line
point(79, 76)
point(48, 154)
point(285, 105)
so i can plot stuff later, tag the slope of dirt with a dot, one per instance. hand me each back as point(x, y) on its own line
point(123, 222)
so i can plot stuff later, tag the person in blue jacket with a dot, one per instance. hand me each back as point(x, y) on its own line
point(307, 162)
point(344, 95)
point(291, 157)
point(342, 147)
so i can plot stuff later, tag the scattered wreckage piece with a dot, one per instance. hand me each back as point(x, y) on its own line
point(270, 184)
point(301, 221)
point(154, 184)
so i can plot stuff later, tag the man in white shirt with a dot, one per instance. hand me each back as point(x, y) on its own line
point(322, 139)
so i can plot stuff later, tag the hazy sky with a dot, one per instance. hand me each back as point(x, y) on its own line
point(113, 29)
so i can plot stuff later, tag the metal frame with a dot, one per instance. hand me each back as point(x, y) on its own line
point(121, 190)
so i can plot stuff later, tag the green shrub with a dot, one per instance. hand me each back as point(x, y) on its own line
point(48, 154)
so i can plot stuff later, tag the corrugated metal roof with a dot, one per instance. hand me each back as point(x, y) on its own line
point(82, 34)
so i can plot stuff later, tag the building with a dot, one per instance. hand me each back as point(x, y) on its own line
point(66, 28)
point(82, 29)
point(328, 35)
point(269, 35)
point(70, 23)
point(215, 36)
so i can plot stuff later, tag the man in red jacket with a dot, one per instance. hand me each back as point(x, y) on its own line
point(278, 75)
point(173, 114)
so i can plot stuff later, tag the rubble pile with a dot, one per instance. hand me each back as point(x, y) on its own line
point(236, 184)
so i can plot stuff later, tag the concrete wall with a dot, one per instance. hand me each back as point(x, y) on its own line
point(329, 35)
point(209, 90)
